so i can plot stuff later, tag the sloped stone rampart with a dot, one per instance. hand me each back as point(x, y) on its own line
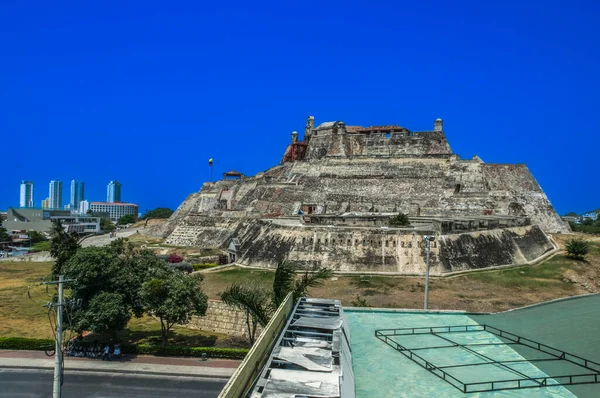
point(397, 251)
point(221, 318)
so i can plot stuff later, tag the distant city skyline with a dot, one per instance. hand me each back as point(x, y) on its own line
point(77, 197)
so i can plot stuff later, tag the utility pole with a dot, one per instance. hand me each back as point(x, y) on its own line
point(58, 355)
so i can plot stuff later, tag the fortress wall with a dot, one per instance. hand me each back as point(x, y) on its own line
point(476, 250)
point(391, 250)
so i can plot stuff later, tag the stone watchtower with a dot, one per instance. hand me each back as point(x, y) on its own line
point(310, 125)
point(438, 125)
point(294, 137)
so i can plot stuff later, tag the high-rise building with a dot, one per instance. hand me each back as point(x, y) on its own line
point(84, 206)
point(77, 194)
point(46, 203)
point(113, 192)
point(26, 199)
point(115, 210)
point(56, 189)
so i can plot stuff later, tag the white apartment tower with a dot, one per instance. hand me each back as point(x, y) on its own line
point(26, 199)
point(77, 194)
point(56, 189)
point(113, 192)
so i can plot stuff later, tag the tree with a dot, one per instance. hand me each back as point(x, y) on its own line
point(159, 212)
point(107, 283)
point(401, 220)
point(36, 237)
point(251, 300)
point(577, 248)
point(173, 297)
point(106, 225)
point(63, 246)
point(4, 235)
point(107, 313)
point(285, 281)
point(258, 305)
point(127, 219)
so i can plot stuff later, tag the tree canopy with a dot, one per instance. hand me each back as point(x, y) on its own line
point(4, 235)
point(106, 225)
point(173, 297)
point(63, 246)
point(159, 212)
point(36, 237)
point(116, 282)
point(127, 219)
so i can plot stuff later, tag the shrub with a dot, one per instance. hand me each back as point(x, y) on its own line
point(211, 352)
point(41, 247)
point(360, 302)
point(164, 257)
point(20, 343)
point(401, 220)
point(174, 258)
point(198, 267)
point(183, 266)
point(578, 248)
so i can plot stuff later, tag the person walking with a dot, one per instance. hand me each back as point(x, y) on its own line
point(106, 355)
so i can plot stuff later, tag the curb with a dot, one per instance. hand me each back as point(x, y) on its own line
point(123, 371)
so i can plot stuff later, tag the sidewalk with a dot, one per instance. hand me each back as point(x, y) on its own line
point(134, 364)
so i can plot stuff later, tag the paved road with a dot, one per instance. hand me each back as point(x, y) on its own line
point(24, 383)
point(104, 240)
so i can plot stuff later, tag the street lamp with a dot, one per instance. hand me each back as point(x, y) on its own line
point(428, 240)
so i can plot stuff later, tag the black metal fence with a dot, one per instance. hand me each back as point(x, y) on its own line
point(523, 380)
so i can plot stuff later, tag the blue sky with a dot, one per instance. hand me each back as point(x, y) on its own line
point(146, 92)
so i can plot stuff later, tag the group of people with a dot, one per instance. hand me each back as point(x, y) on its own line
point(94, 351)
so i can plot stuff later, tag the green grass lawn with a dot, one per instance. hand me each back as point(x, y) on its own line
point(537, 276)
point(216, 282)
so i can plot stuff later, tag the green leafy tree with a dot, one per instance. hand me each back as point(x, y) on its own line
point(36, 237)
point(251, 300)
point(577, 248)
point(127, 219)
point(107, 313)
point(107, 277)
point(63, 246)
point(173, 297)
point(159, 212)
point(106, 225)
point(4, 235)
point(401, 220)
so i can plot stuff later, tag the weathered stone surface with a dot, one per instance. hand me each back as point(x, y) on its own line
point(221, 318)
point(351, 171)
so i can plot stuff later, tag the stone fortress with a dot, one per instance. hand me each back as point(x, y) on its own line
point(330, 200)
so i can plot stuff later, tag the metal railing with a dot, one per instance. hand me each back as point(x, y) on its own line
point(524, 381)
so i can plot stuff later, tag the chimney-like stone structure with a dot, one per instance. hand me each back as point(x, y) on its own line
point(310, 125)
point(294, 137)
point(438, 125)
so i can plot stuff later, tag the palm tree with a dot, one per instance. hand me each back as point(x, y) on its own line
point(285, 281)
point(253, 301)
